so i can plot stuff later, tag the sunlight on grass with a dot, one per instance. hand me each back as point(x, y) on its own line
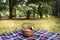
point(52, 25)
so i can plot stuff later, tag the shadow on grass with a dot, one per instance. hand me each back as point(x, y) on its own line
point(29, 19)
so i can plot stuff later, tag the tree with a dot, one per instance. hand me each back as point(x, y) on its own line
point(34, 7)
point(10, 8)
point(3, 6)
point(40, 10)
point(12, 3)
point(56, 8)
point(28, 14)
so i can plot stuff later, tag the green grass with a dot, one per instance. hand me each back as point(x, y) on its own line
point(49, 24)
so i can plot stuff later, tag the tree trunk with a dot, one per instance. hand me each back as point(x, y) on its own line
point(40, 10)
point(34, 15)
point(0, 16)
point(14, 12)
point(12, 3)
point(28, 14)
point(10, 8)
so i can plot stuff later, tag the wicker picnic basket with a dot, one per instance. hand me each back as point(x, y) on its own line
point(27, 32)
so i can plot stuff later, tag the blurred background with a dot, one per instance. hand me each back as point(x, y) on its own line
point(43, 14)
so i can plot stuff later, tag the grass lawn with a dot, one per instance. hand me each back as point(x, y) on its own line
point(49, 24)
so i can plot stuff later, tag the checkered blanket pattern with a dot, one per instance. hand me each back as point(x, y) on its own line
point(38, 35)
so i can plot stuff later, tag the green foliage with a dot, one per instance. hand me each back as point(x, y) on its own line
point(52, 7)
point(3, 7)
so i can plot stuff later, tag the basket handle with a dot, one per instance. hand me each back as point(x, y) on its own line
point(26, 23)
